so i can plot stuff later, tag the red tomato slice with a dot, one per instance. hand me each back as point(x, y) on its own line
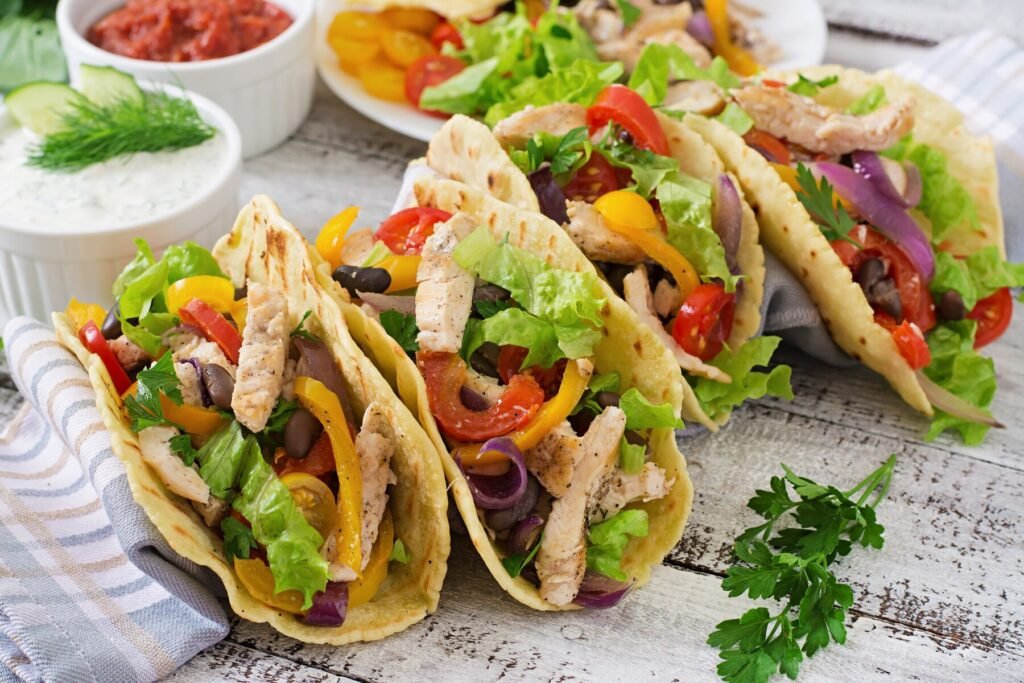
point(92, 339)
point(318, 462)
point(993, 315)
point(446, 33)
point(623, 106)
point(406, 231)
point(214, 327)
point(593, 179)
point(912, 345)
point(510, 364)
point(428, 71)
point(771, 83)
point(704, 321)
point(445, 373)
point(769, 143)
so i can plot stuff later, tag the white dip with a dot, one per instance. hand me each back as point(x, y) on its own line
point(115, 193)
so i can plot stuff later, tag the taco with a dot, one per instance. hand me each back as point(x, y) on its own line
point(553, 412)
point(652, 205)
point(274, 454)
point(871, 191)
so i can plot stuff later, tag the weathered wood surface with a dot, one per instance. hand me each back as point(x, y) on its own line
point(943, 601)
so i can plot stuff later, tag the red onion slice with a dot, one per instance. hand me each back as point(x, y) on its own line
point(953, 404)
point(549, 195)
point(502, 491)
point(699, 27)
point(329, 606)
point(883, 213)
point(600, 592)
point(525, 535)
point(517, 515)
point(728, 223)
point(886, 175)
point(389, 302)
point(912, 193)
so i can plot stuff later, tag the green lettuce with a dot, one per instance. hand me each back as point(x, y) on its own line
point(292, 545)
point(578, 83)
point(631, 456)
point(978, 276)
point(220, 459)
point(962, 371)
point(607, 541)
point(736, 119)
point(647, 168)
point(642, 414)
point(718, 399)
point(869, 101)
point(463, 93)
point(809, 87)
point(608, 381)
point(514, 326)
point(188, 259)
point(686, 204)
point(659, 64)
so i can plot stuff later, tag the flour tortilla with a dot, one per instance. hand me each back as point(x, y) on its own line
point(790, 234)
point(628, 348)
point(265, 248)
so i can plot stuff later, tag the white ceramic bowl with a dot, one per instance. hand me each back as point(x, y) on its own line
point(42, 268)
point(267, 90)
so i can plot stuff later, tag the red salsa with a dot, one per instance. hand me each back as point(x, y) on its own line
point(188, 30)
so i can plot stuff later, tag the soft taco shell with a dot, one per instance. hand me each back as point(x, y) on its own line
point(264, 247)
point(628, 349)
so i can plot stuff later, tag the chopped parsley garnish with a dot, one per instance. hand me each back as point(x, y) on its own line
point(809, 88)
point(402, 328)
point(514, 564)
point(238, 539)
point(144, 407)
point(485, 309)
point(820, 201)
point(301, 331)
point(630, 12)
point(279, 416)
point(182, 447)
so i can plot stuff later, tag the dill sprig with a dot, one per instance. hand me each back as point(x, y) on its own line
point(92, 133)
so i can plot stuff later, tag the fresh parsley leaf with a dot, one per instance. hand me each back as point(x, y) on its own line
point(514, 564)
point(571, 148)
point(402, 328)
point(182, 446)
point(399, 553)
point(238, 539)
point(809, 88)
point(608, 381)
point(280, 415)
point(485, 309)
point(144, 408)
point(792, 566)
point(820, 201)
point(301, 331)
point(869, 101)
point(630, 12)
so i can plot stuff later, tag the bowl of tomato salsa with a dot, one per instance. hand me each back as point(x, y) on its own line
point(254, 58)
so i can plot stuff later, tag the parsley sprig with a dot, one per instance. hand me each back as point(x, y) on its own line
point(402, 328)
point(144, 408)
point(792, 566)
point(820, 202)
point(630, 12)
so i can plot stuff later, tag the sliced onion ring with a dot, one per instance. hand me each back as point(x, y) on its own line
point(699, 27)
point(498, 492)
point(329, 607)
point(549, 195)
point(525, 535)
point(600, 592)
point(389, 302)
point(880, 172)
point(912, 194)
point(883, 213)
point(728, 223)
point(953, 404)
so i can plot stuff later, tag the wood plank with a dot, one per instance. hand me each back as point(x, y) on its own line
point(230, 662)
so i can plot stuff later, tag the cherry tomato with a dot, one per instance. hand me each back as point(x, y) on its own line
point(704, 321)
point(357, 26)
point(915, 299)
point(445, 373)
point(318, 462)
point(428, 71)
point(623, 106)
point(415, 19)
point(214, 327)
point(405, 232)
point(595, 178)
point(446, 33)
point(993, 315)
point(314, 500)
point(510, 364)
point(93, 339)
point(775, 147)
point(383, 80)
point(405, 47)
point(912, 345)
point(771, 83)
point(353, 54)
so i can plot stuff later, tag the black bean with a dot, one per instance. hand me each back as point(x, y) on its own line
point(580, 422)
point(490, 293)
point(951, 306)
point(607, 399)
point(218, 384)
point(111, 325)
point(473, 400)
point(624, 136)
point(485, 359)
point(870, 272)
point(614, 273)
point(241, 292)
point(301, 433)
point(884, 295)
point(354, 278)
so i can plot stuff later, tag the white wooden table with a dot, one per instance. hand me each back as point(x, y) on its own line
point(943, 601)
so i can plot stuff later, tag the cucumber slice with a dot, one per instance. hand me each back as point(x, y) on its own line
point(105, 85)
point(39, 106)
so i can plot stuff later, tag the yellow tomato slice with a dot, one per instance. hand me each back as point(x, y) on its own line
point(255, 575)
point(404, 47)
point(357, 26)
point(415, 19)
point(362, 590)
point(218, 292)
point(314, 500)
point(384, 81)
point(352, 54)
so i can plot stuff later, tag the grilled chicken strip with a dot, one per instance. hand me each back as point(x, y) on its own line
point(185, 345)
point(553, 460)
point(375, 448)
point(189, 383)
point(649, 483)
point(562, 558)
point(637, 293)
point(588, 230)
point(155, 446)
point(700, 97)
point(260, 374)
point(128, 354)
point(556, 119)
point(214, 511)
point(444, 298)
point(822, 129)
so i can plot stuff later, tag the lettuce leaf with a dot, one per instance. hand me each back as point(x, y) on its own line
point(868, 102)
point(659, 64)
point(718, 399)
point(642, 414)
point(979, 275)
point(516, 327)
point(578, 83)
point(607, 540)
point(736, 119)
point(188, 259)
point(220, 459)
point(631, 456)
point(293, 546)
point(463, 93)
point(961, 370)
point(648, 169)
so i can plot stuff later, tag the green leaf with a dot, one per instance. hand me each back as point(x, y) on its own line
point(402, 328)
point(579, 82)
point(660, 64)
point(978, 276)
point(607, 540)
point(642, 414)
point(221, 458)
point(808, 87)
point(516, 327)
point(188, 259)
point(736, 119)
point(279, 416)
point(462, 93)
point(238, 539)
point(719, 400)
point(630, 12)
point(144, 258)
point(514, 564)
point(631, 456)
point(869, 101)
point(567, 153)
point(29, 49)
point(749, 631)
point(486, 309)
point(608, 381)
point(647, 169)
point(961, 370)
point(819, 201)
point(144, 407)
point(300, 329)
point(399, 553)
point(181, 445)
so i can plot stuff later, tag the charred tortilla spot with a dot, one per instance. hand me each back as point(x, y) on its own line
point(814, 254)
point(863, 341)
point(638, 346)
point(804, 272)
point(491, 181)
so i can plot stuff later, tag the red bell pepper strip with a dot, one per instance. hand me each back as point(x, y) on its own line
point(92, 339)
point(214, 327)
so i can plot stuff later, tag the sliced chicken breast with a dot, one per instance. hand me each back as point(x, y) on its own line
point(557, 119)
point(444, 297)
point(155, 446)
point(185, 345)
point(588, 230)
point(375, 447)
point(260, 375)
point(554, 459)
point(650, 483)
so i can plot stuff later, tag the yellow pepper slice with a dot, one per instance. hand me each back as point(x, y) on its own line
point(362, 590)
point(257, 578)
point(239, 312)
point(332, 235)
point(325, 406)
point(740, 61)
point(194, 420)
point(627, 208)
point(574, 383)
point(82, 312)
point(402, 269)
point(218, 292)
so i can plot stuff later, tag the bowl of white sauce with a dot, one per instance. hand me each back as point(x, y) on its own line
point(69, 234)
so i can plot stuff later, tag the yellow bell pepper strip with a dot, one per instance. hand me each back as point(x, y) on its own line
point(616, 206)
point(740, 61)
point(362, 590)
point(194, 420)
point(82, 312)
point(402, 270)
point(332, 235)
point(574, 383)
point(218, 292)
point(257, 578)
point(325, 406)
point(628, 209)
point(239, 312)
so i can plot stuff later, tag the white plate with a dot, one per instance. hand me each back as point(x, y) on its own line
point(796, 25)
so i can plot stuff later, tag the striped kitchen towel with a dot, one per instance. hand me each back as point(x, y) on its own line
point(89, 590)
